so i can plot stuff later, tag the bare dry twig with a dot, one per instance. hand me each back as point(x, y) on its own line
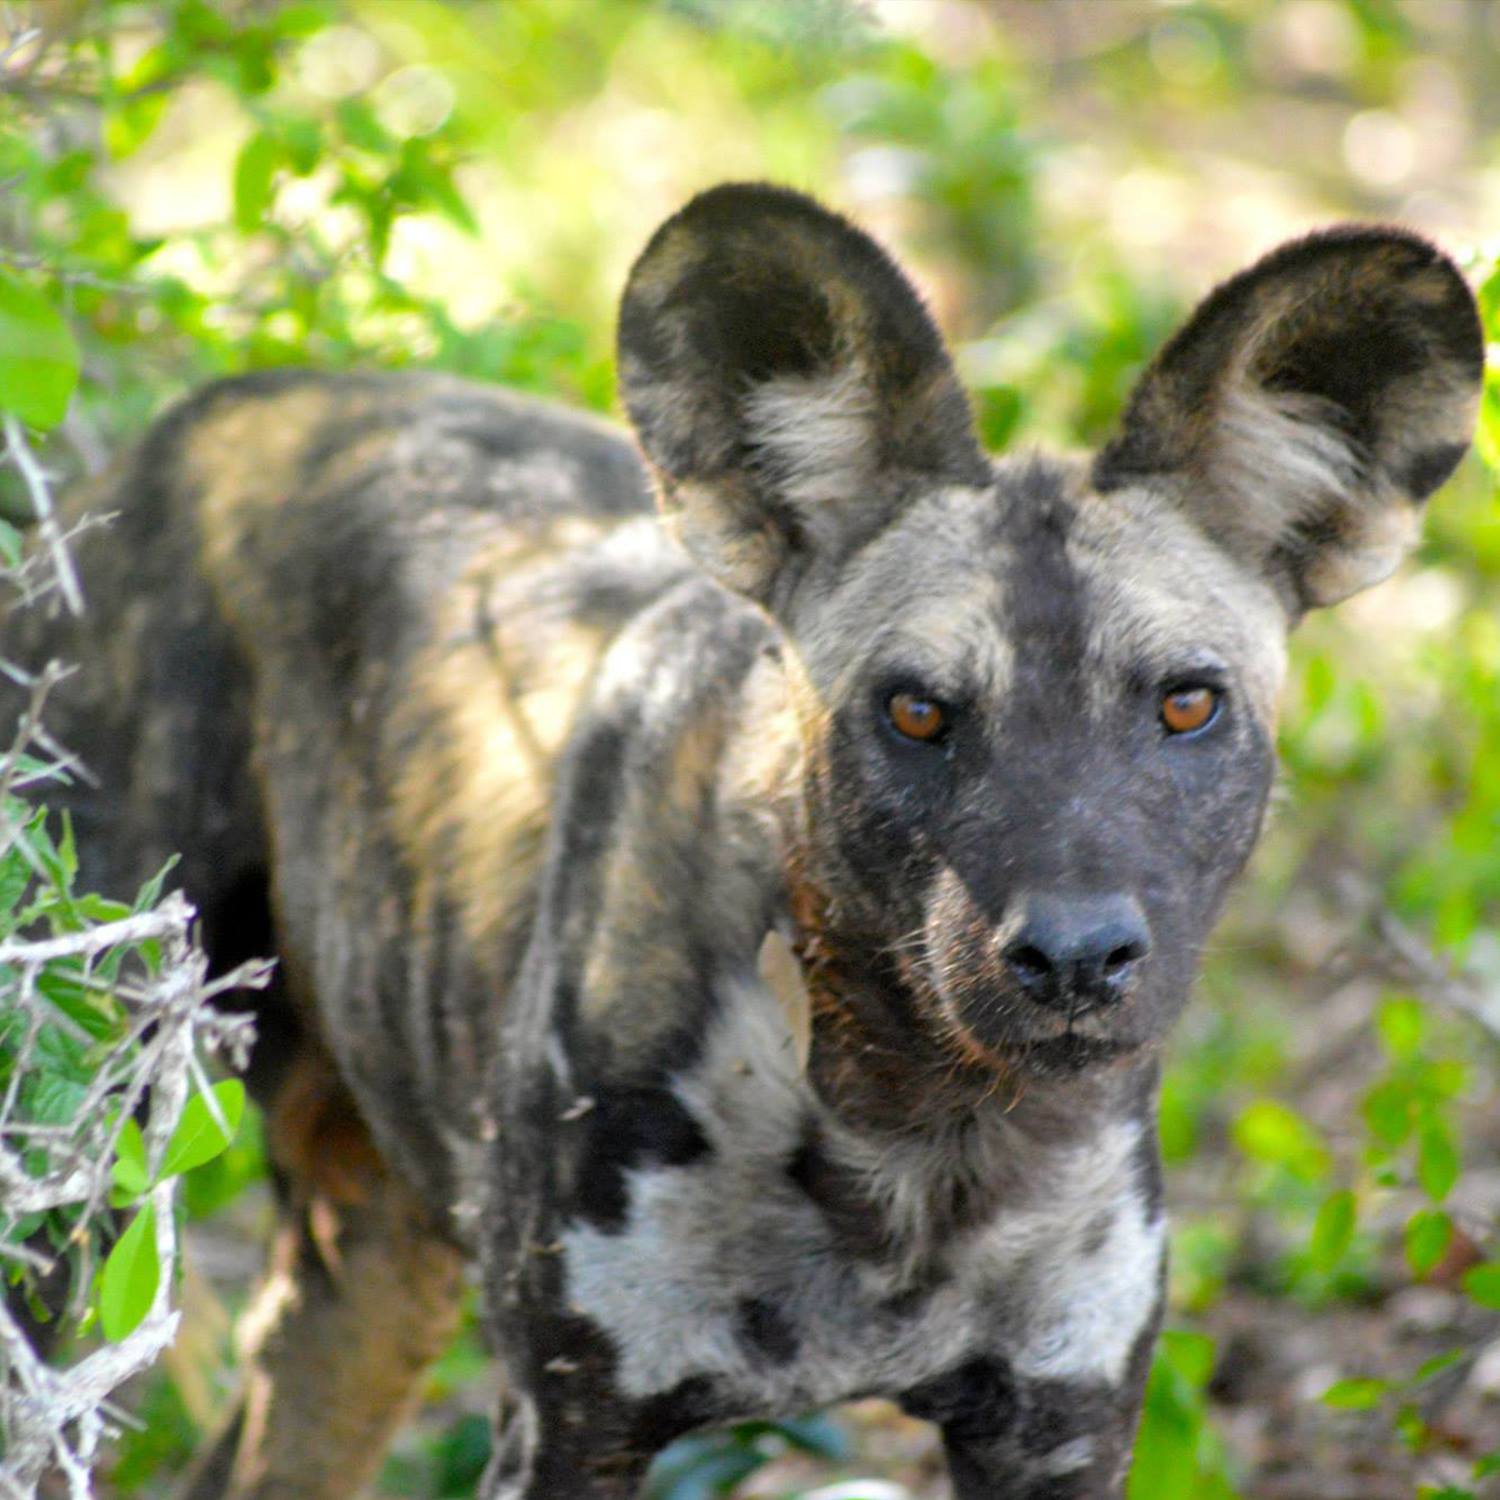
point(53, 1418)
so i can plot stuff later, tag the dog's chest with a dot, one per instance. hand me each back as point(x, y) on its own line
point(745, 1268)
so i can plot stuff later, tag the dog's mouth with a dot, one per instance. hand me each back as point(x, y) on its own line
point(1008, 1034)
point(1068, 1054)
point(1058, 1052)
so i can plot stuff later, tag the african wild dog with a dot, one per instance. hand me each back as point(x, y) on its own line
point(517, 785)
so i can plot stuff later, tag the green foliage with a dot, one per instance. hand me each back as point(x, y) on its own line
point(127, 1286)
point(1177, 1452)
point(40, 367)
point(70, 1067)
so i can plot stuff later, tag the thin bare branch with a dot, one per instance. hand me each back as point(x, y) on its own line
point(38, 487)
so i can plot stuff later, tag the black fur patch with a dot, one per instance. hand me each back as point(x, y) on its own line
point(855, 1221)
point(976, 1401)
point(1057, 1411)
point(1431, 467)
point(631, 1128)
point(765, 1329)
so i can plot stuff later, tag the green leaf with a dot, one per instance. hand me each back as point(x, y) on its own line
point(1402, 1025)
point(303, 139)
point(67, 851)
point(255, 180)
point(198, 1137)
point(129, 1171)
point(1428, 1234)
point(101, 909)
point(1411, 1429)
point(361, 128)
point(127, 1285)
point(1435, 1366)
point(53, 1100)
point(1272, 1132)
point(1437, 1160)
point(1482, 1283)
point(1189, 1355)
point(60, 984)
point(11, 545)
point(129, 126)
point(15, 876)
point(150, 893)
point(1333, 1229)
point(1356, 1394)
point(1166, 1450)
point(1487, 435)
point(1489, 302)
point(1387, 1112)
point(38, 355)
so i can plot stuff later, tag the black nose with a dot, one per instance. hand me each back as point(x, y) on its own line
point(1078, 952)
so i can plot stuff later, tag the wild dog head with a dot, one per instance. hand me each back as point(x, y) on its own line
point(1038, 696)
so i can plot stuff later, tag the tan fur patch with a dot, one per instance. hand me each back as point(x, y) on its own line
point(782, 974)
point(499, 710)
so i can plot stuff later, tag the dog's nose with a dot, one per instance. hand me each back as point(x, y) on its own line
point(1077, 952)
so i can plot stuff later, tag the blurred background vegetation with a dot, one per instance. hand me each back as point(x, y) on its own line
point(190, 188)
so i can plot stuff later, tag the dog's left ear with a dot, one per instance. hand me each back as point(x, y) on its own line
point(1309, 405)
point(787, 386)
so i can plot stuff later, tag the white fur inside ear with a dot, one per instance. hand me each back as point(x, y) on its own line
point(1364, 558)
point(814, 437)
point(1278, 459)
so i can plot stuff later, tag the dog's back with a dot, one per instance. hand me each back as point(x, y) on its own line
point(338, 628)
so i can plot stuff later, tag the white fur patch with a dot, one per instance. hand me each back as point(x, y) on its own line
point(814, 436)
point(702, 1239)
point(1279, 459)
point(1083, 1311)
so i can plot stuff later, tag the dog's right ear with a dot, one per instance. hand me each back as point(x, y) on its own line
point(787, 385)
point(1310, 405)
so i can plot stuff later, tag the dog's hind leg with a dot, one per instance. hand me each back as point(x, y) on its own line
point(361, 1296)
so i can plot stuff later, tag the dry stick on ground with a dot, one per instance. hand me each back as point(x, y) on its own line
point(52, 1419)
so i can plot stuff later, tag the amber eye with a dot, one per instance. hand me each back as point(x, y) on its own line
point(916, 717)
point(1189, 708)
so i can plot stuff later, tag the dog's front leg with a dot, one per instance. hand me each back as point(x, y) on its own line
point(565, 1430)
point(563, 1451)
point(577, 1440)
point(1010, 1438)
point(1003, 1470)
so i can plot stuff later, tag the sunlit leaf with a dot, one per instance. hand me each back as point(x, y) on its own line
point(1333, 1229)
point(1356, 1394)
point(198, 1137)
point(254, 180)
point(1428, 1235)
point(1437, 1160)
point(1273, 1132)
point(128, 1283)
point(38, 355)
point(129, 1172)
point(1482, 1283)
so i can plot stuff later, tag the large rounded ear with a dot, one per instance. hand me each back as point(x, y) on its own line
point(1310, 405)
point(786, 383)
